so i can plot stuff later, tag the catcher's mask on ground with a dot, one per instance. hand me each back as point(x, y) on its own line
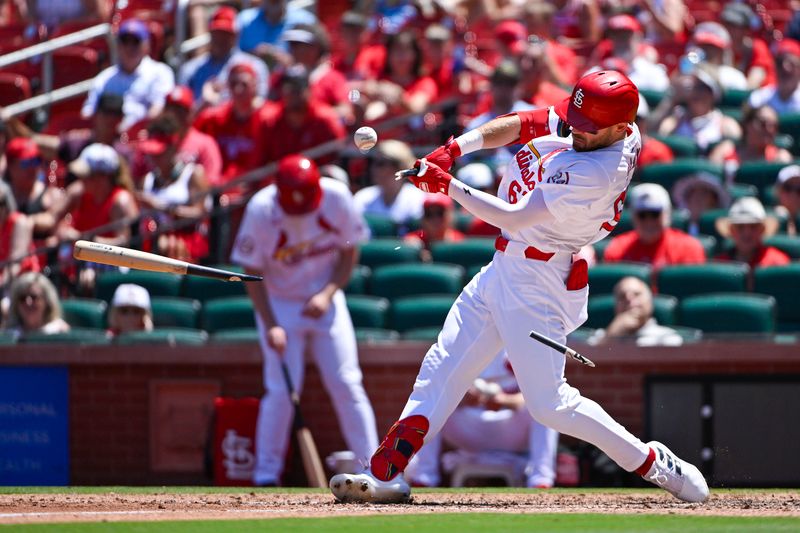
point(299, 191)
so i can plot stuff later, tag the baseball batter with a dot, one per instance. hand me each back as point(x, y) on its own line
point(301, 234)
point(564, 189)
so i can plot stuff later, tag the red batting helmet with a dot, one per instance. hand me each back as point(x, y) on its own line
point(299, 191)
point(599, 100)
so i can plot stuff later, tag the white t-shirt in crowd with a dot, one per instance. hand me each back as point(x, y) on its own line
point(769, 96)
point(407, 204)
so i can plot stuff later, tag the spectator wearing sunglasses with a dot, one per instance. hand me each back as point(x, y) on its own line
point(436, 225)
point(787, 192)
point(652, 240)
point(143, 82)
point(32, 195)
point(130, 310)
point(34, 306)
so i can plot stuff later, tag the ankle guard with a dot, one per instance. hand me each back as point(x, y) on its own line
point(398, 447)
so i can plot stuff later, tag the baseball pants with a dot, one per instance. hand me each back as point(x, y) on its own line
point(500, 306)
point(332, 342)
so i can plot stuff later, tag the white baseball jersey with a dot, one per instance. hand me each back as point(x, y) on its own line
point(592, 183)
point(297, 253)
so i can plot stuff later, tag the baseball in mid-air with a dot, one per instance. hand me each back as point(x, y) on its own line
point(365, 138)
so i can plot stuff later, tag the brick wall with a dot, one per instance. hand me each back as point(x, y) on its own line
point(110, 391)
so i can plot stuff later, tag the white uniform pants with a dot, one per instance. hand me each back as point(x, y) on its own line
point(497, 309)
point(333, 345)
point(511, 431)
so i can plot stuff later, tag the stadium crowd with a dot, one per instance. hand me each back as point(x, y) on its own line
point(152, 157)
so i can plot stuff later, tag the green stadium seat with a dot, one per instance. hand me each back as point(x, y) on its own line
point(734, 98)
point(689, 335)
point(462, 221)
point(376, 335)
point(689, 280)
point(581, 335)
point(741, 190)
point(729, 313)
point(84, 312)
point(74, 336)
point(170, 336)
point(227, 313)
point(7, 338)
point(681, 146)
point(175, 312)
point(603, 277)
point(759, 173)
point(467, 253)
point(422, 334)
point(204, 289)
point(709, 243)
point(782, 283)
point(156, 283)
point(666, 174)
point(472, 271)
point(358, 280)
point(380, 226)
point(707, 222)
point(236, 336)
point(394, 281)
point(419, 312)
point(652, 96)
point(789, 244)
point(379, 252)
point(789, 123)
point(601, 310)
point(367, 311)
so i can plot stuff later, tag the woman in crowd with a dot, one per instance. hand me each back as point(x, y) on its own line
point(130, 310)
point(34, 306)
point(15, 237)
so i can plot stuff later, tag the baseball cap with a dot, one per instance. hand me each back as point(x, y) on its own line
point(437, 32)
point(684, 186)
point(296, 75)
point(134, 27)
point(299, 35)
point(95, 159)
point(437, 200)
point(787, 173)
point(712, 33)
point(650, 197)
point(354, 18)
point(788, 47)
point(476, 175)
point(21, 148)
point(624, 23)
point(747, 210)
point(707, 79)
point(513, 34)
point(110, 103)
point(506, 70)
point(240, 68)
point(131, 295)
point(181, 96)
point(223, 19)
point(737, 15)
point(397, 151)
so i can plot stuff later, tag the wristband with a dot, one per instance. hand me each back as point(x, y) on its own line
point(472, 141)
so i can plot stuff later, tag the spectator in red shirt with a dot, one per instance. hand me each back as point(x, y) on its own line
point(195, 146)
point(539, 86)
point(402, 87)
point(624, 40)
point(356, 58)
point(652, 240)
point(759, 128)
point(578, 22)
point(539, 20)
point(310, 47)
point(787, 190)
point(297, 122)
point(16, 237)
point(440, 63)
point(751, 55)
point(511, 37)
point(436, 225)
point(236, 124)
point(747, 224)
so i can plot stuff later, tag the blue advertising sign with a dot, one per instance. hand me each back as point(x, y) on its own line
point(34, 426)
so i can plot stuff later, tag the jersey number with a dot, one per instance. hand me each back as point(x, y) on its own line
point(618, 203)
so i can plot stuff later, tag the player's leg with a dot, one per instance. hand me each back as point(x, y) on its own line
point(275, 413)
point(334, 347)
point(468, 341)
point(542, 451)
point(549, 308)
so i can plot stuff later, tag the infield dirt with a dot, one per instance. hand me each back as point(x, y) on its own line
point(41, 508)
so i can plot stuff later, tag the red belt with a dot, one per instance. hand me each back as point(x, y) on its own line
point(501, 243)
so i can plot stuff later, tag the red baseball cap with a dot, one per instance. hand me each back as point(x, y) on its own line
point(513, 34)
point(789, 47)
point(223, 19)
point(712, 33)
point(624, 23)
point(437, 200)
point(181, 96)
point(240, 68)
point(21, 148)
point(156, 144)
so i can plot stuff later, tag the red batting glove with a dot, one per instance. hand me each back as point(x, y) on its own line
point(444, 156)
point(432, 178)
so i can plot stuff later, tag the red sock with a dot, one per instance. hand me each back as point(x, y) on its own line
point(642, 470)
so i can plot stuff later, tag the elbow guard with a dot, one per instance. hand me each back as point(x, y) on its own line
point(533, 124)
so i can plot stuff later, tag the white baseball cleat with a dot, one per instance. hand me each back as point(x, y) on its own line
point(681, 479)
point(364, 487)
